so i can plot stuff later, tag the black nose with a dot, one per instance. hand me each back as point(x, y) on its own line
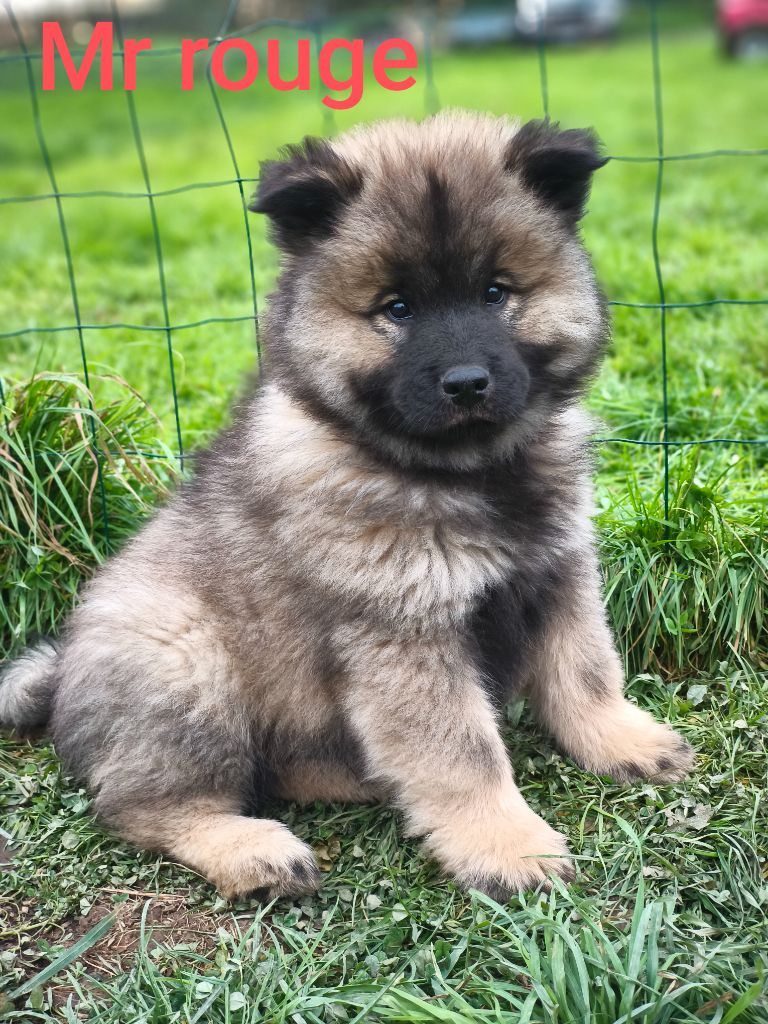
point(466, 385)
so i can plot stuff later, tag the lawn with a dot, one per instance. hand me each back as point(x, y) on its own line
point(667, 920)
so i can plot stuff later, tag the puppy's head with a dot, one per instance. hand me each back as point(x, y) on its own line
point(435, 297)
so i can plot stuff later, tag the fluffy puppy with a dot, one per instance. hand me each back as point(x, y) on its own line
point(392, 540)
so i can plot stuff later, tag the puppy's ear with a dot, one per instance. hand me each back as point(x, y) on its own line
point(304, 192)
point(556, 165)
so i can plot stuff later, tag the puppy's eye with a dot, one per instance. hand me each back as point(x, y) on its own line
point(494, 294)
point(398, 309)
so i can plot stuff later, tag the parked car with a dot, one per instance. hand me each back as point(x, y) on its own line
point(483, 26)
point(566, 20)
point(743, 26)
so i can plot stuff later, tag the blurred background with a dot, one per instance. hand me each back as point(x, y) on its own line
point(741, 24)
point(127, 255)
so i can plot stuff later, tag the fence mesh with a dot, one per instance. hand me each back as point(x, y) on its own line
point(243, 184)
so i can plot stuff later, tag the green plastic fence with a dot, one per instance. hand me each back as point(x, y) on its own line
point(660, 158)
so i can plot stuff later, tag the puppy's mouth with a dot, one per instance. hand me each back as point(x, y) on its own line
point(470, 416)
point(451, 425)
point(458, 420)
point(474, 431)
point(475, 415)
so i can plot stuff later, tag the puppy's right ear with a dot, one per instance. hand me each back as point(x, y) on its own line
point(304, 193)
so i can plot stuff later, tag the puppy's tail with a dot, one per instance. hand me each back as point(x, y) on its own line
point(27, 686)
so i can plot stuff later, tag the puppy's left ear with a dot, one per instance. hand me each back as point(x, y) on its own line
point(556, 165)
point(304, 193)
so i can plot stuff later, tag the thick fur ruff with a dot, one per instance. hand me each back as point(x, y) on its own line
point(364, 569)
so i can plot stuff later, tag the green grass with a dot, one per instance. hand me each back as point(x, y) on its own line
point(53, 492)
point(667, 921)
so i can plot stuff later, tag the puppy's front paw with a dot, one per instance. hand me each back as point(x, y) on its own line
point(503, 855)
point(628, 743)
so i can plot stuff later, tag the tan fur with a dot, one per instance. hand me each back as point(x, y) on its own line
point(577, 691)
point(239, 855)
point(537, 251)
point(459, 791)
point(510, 844)
point(424, 567)
point(316, 780)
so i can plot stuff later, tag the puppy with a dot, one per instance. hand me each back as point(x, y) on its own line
point(392, 540)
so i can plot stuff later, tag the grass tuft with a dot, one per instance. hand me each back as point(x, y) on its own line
point(55, 454)
point(691, 591)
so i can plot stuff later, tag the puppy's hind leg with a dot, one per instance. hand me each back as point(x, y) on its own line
point(180, 784)
point(159, 730)
point(241, 856)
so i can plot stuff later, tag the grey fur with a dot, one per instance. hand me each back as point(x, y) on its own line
point(27, 686)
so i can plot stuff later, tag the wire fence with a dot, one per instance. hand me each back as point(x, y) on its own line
point(169, 329)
